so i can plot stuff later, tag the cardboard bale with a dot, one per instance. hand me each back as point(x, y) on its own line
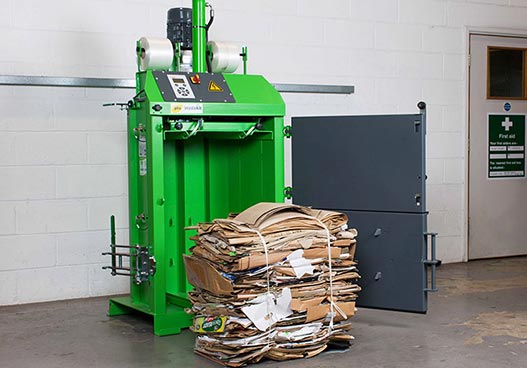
point(262, 284)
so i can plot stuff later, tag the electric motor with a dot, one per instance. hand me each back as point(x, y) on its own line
point(179, 27)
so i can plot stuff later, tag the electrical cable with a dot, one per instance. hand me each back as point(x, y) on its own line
point(209, 24)
point(211, 16)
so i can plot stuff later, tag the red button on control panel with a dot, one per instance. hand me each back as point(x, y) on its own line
point(195, 79)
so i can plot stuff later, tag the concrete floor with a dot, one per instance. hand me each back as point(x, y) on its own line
point(478, 319)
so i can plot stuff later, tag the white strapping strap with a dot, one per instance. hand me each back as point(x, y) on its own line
point(332, 304)
point(262, 240)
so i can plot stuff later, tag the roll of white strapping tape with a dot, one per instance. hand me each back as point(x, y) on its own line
point(156, 53)
point(225, 57)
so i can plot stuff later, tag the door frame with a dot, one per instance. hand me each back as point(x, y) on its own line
point(476, 31)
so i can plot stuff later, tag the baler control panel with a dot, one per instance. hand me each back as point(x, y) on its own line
point(193, 87)
point(180, 86)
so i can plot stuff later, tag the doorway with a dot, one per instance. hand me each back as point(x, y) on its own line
point(497, 189)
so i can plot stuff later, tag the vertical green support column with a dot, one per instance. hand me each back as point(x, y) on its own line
point(199, 37)
point(279, 174)
point(168, 318)
point(124, 305)
point(195, 183)
point(156, 215)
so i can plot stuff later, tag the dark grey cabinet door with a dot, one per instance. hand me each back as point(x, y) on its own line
point(378, 161)
point(390, 253)
point(373, 169)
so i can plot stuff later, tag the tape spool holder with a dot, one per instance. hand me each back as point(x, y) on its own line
point(155, 54)
point(224, 57)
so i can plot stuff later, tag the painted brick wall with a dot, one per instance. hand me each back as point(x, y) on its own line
point(62, 156)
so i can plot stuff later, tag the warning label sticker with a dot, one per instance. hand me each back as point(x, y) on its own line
point(142, 166)
point(213, 87)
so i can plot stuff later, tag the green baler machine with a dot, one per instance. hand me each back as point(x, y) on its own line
point(200, 146)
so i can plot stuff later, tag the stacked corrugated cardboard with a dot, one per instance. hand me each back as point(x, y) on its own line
point(264, 286)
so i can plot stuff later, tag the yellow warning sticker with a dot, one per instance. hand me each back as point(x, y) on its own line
point(213, 87)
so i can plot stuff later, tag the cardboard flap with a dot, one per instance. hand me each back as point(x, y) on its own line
point(300, 305)
point(321, 311)
point(333, 220)
point(256, 214)
point(258, 259)
point(203, 275)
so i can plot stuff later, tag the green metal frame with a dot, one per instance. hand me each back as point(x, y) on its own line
point(222, 159)
point(227, 166)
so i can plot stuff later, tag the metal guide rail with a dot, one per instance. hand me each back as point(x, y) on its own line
point(81, 82)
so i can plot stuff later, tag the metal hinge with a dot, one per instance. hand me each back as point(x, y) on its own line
point(288, 192)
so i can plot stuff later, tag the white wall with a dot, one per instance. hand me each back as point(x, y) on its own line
point(62, 156)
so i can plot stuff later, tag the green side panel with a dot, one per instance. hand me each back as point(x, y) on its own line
point(253, 89)
point(147, 83)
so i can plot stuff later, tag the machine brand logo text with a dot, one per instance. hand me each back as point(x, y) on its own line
point(179, 108)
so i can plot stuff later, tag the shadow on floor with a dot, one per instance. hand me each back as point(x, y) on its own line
point(477, 319)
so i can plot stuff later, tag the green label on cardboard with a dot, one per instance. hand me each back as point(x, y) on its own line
point(209, 324)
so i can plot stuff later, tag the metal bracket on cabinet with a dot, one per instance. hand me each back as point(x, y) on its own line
point(431, 262)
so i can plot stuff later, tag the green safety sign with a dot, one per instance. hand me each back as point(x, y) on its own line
point(506, 149)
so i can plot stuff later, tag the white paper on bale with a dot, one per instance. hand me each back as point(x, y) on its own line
point(244, 322)
point(297, 334)
point(266, 310)
point(256, 340)
point(300, 265)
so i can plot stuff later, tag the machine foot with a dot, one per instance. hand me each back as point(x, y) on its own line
point(172, 322)
point(117, 309)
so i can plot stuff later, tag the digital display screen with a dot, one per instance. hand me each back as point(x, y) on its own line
point(178, 81)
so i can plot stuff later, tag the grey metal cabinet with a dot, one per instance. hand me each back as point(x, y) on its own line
point(373, 169)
